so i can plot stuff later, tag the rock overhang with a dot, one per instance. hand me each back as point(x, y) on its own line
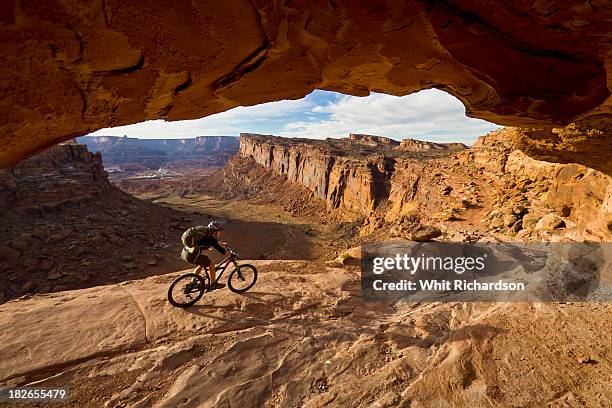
point(69, 69)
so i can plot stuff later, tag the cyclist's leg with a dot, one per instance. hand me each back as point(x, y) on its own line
point(205, 262)
point(212, 274)
point(197, 271)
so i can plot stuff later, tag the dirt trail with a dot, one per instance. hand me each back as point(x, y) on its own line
point(303, 337)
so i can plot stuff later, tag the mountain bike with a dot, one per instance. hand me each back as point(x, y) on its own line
point(187, 289)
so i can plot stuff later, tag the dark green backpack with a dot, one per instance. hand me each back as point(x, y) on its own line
point(192, 235)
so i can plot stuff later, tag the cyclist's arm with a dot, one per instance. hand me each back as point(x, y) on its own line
point(207, 242)
point(215, 244)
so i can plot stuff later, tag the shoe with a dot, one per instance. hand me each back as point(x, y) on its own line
point(216, 285)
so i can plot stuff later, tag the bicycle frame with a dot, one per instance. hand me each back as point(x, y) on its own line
point(221, 267)
point(198, 285)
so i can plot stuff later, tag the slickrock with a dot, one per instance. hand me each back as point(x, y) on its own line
point(124, 345)
point(42, 333)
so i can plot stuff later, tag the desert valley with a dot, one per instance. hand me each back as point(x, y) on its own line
point(79, 241)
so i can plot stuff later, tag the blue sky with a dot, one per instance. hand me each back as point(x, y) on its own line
point(427, 115)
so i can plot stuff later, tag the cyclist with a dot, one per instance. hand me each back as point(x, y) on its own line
point(199, 238)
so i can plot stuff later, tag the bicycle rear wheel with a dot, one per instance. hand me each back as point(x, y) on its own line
point(187, 289)
point(242, 278)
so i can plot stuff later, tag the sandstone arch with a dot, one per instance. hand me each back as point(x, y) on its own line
point(70, 67)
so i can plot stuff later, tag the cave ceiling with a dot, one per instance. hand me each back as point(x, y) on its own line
point(71, 67)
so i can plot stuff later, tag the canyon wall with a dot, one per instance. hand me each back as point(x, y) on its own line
point(350, 184)
point(493, 186)
point(579, 196)
point(352, 175)
point(155, 153)
point(66, 173)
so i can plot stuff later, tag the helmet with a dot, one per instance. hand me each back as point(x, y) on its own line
point(215, 226)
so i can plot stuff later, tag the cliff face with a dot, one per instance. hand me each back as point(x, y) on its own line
point(63, 226)
point(578, 195)
point(345, 183)
point(409, 145)
point(337, 172)
point(153, 153)
point(492, 186)
point(66, 173)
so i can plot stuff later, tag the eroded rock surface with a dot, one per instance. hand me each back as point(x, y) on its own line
point(303, 336)
point(69, 69)
point(64, 226)
point(65, 174)
point(529, 189)
point(490, 190)
point(585, 143)
point(352, 175)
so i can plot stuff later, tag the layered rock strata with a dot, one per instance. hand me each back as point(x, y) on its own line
point(156, 153)
point(529, 190)
point(337, 171)
point(67, 173)
point(70, 69)
point(493, 187)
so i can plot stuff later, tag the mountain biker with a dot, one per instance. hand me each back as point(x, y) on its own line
point(200, 238)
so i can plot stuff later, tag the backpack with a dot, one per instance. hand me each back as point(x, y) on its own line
point(192, 235)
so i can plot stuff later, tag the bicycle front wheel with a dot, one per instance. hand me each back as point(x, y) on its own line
point(242, 278)
point(187, 289)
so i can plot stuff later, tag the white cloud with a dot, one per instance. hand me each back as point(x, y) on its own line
point(427, 115)
point(231, 122)
point(430, 115)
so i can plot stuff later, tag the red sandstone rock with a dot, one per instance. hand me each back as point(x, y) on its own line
point(412, 145)
point(66, 173)
point(344, 181)
point(493, 183)
point(64, 224)
point(69, 69)
point(6, 252)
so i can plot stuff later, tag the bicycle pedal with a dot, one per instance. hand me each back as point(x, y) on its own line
point(216, 286)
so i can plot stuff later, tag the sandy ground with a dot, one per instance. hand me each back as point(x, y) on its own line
point(257, 231)
point(303, 337)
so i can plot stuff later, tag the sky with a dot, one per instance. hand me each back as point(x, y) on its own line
point(431, 115)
